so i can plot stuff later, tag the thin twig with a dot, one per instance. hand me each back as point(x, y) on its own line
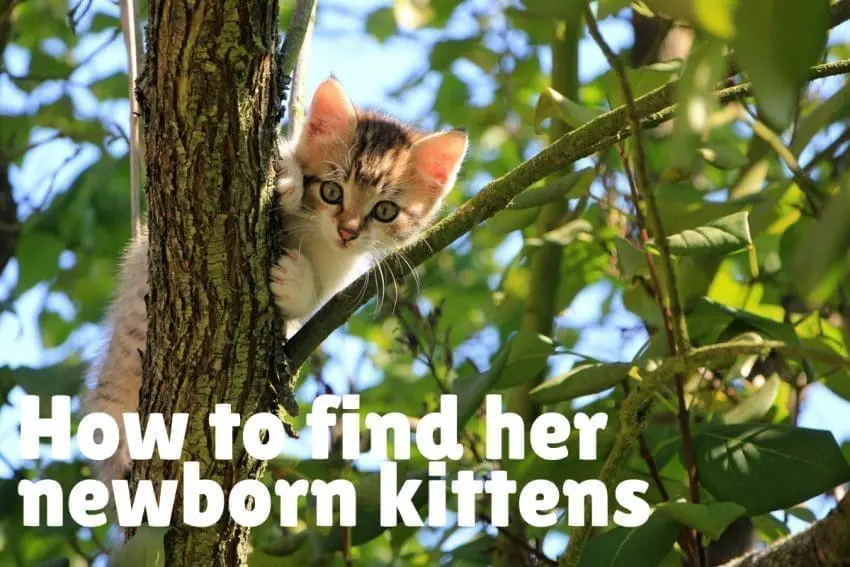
point(132, 38)
point(293, 59)
point(671, 306)
point(517, 540)
point(643, 184)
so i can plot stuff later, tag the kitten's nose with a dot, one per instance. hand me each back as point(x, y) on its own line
point(347, 233)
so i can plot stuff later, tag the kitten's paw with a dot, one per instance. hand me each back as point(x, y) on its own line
point(289, 181)
point(293, 285)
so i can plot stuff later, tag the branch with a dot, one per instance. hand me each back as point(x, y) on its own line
point(669, 301)
point(132, 36)
point(825, 543)
point(293, 59)
point(633, 409)
point(654, 107)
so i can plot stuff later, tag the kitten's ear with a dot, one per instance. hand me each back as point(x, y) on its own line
point(332, 116)
point(437, 159)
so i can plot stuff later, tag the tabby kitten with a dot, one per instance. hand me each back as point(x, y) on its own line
point(353, 186)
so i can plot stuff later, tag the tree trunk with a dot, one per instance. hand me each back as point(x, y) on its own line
point(10, 229)
point(210, 109)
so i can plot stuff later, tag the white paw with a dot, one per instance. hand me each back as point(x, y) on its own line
point(289, 181)
point(293, 285)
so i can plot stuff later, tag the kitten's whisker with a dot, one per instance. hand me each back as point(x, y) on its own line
point(383, 290)
point(413, 271)
point(395, 286)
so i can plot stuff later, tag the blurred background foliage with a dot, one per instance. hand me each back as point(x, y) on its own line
point(772, 262)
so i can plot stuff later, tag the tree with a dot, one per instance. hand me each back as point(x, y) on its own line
point(212, 317)
point(718, 244)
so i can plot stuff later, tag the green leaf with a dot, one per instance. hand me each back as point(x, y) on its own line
point(722, 236)
point(820, 261)
point(567, 10)
point(49, 66)
point(103, 21)
point(777, 66)
point(836, 107)
point(54, 328)
point(61, 116)
point(644, 546)
point(713, 16)
point(57, 380)
point(553, 104)
point(470, 390)
point(711, 321)
point(477, 551)
point(751, 464)
point(528, 354)
point(580, 381)
point(756, 406)
point(710, 519)
point(114, 86)
point(38, 258)
point(696, 102)
point(839, 384)
point(723, 155)
point(368, 513)
point(509, 220)
point(631, 259)
point(451, 99)
point(145, 549)
point(572, 184)
point(564, 235)
point(610, 8)
point(381, 24)
point(683, 206)
point(446, 52)
point(642, 80)
point(769, 527)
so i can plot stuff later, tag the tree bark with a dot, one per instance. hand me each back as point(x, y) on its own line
point(825, 543)
point(210, 107)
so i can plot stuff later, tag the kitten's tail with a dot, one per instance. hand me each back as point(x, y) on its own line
point(116, 377)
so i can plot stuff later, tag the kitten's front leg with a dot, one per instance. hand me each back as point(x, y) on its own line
point(289, 179)
point(293, 285)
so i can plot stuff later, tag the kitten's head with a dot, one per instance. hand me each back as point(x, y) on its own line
point(372, 183)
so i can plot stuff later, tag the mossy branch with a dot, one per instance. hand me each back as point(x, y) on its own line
point(712, 356)
point(654, 108)
point(671, 302)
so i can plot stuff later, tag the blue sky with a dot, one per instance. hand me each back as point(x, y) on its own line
point(368, 70)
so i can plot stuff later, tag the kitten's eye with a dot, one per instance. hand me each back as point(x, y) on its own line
point(331, 192)
point(385, 211)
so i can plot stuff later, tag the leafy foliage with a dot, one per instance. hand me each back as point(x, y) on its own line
point(758, 243)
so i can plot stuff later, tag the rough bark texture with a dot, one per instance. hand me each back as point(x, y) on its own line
point(825, 544)
point(210, 108)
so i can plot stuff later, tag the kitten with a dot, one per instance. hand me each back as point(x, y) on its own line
point(353, 185)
